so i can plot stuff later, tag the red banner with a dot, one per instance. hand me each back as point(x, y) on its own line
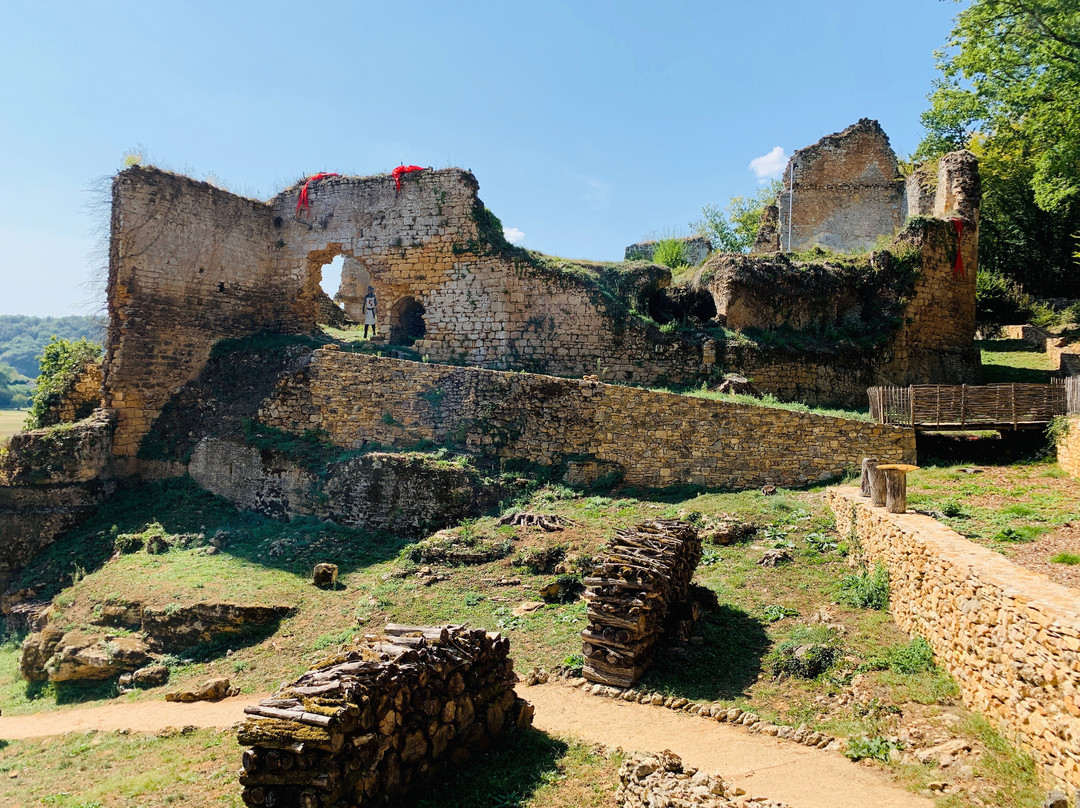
point(302, 202)
point(958, 267)
point(400, 170)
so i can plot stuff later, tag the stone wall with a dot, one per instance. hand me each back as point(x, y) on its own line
point(925, 321)
point(191, 264)
point(936, 341)
point(848, 192)
point(1068, 447)
point(697, 250)
point(1009, 636)
point(659, 439)
point(50, 480)
point(80, 398)
point(408, 494)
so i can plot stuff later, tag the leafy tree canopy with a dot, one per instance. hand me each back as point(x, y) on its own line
point(1011, 71)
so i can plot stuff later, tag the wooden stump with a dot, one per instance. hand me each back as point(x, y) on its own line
point(896, 485)
point(877, 486)
point(868, 463)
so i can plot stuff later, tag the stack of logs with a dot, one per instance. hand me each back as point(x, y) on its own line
point(643, 575)
point(363, 727)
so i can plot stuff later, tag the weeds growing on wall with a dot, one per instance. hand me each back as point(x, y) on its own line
point(671, 252)
point(61, 363)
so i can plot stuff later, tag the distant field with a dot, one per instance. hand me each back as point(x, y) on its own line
point(11, 421)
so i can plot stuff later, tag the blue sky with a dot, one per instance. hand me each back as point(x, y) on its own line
point(589, 125)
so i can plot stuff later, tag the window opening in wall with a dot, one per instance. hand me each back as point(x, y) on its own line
point(331, 276)
point(407, 321)
point(331, 306)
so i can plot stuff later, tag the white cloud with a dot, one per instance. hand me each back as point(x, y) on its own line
point(769, 165)
point(513, 235)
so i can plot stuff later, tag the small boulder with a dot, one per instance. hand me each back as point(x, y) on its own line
point(528, 607)
point(210, 690)
point(86, 657)
point(774, 558)
point(1056, 799)
point(325, 576)
point(150, 676)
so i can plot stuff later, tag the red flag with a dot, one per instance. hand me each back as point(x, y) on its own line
point(397, 172)
point(958, 267)
point(302, 202)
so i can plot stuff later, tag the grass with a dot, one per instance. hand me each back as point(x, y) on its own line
point(115, 770)
point(197, 768)
point(1071, 559)
point(269, 561)
point(1014, 360)
point(767, 400)
point(11, 421)
point(1001, 506)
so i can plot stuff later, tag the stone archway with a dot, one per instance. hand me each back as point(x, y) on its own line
point(407, 321)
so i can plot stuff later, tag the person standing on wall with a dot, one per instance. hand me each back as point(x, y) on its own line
point(371, 310)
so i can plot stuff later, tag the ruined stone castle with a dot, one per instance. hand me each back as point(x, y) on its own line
point(198, 276)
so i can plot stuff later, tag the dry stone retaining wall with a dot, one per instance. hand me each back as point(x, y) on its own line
point(50, 480)
point(408, 494)
point(1068, 448)
point(659, 439)
point(1010, 637)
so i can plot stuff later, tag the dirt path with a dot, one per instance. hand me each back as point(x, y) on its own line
point(137, 716)
point(779, 770)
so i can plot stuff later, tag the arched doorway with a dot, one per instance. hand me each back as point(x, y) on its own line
point(407, 321)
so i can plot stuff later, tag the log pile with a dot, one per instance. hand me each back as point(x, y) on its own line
point(642, 577)
point(361, 728)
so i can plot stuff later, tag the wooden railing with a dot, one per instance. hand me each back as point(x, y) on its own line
point(1072, 394)
point(929, 406)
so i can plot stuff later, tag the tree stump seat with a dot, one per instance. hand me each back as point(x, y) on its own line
point(896, 485)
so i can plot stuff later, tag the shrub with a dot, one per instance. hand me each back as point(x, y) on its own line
point(806, 653)
point(865, 590)
point(875, 748)
point(61, 362)
point(775, 612)
point(914, 657)
point(671, 252)
point(1071, 559)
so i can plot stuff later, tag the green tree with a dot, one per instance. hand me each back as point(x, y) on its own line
point(1012, 71)
point(734, 228)
point(61, 362)
point(1010, 91)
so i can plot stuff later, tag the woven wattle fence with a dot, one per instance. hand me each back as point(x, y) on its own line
point(930, 406)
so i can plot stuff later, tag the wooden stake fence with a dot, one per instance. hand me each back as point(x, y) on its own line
point(964, 406)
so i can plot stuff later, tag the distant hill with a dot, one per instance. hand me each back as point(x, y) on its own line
point(22, 339)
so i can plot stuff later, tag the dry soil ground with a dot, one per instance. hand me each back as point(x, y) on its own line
point(781, 770)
